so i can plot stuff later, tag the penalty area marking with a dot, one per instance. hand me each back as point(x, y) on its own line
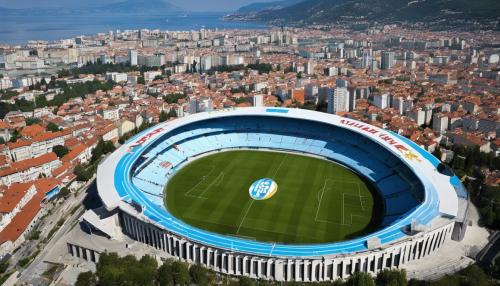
point(320, 200)
point(215, 182)
point(203, 178)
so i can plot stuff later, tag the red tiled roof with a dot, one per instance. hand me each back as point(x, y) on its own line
point(12, 196)
point(77, 150)
point(47, 136)
point(18, 144)
point(32, 130)
point(59, 171)
point(21, 221)
point(46, 184)
point(20, 166)
point(3, 125)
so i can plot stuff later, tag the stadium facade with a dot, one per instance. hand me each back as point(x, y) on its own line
point(425, 204)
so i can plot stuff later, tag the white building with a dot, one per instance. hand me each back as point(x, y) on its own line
point(30, 169)
point(258, 100)
point(381, 100)
point(132, 57)
point(440, 122)
point(12, 201)
point(309, 67)
point(418, 115)
point(150, 75)
point(117, 77)
point(112, 114)
point(338, 101)
point(388, 60)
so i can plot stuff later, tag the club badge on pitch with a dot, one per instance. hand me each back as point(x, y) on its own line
point(263, 189)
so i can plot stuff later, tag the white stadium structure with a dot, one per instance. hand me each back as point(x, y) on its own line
point(425, 204)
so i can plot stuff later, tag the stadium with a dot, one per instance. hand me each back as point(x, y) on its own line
point(282, 194)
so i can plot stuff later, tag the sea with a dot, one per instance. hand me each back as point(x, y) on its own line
point(19, 29)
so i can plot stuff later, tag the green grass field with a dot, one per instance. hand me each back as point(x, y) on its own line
point(317, 201)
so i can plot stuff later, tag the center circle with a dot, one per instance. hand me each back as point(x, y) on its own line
point(263, 189)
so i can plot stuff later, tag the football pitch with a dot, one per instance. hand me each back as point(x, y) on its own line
point(317, 201)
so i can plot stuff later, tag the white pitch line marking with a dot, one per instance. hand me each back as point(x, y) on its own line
point(201, 181)
point(279, 167)
point(244, 217)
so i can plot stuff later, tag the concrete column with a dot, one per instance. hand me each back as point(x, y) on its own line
point(433, 241)
point(230, 264)
point(245, 270)
point(317, 271)
point(237, 266)
point(270, 263)
point(408, 255)
point(278, 270)
point(222, 266)
point(169, 244)
point(401, 256)
point(259, 268)
point(334, 274)
point(164, 241)
point(426, 246)
point(251, 267)
point(344, 269)
point(216, 260)
point(203, 256)
point(362, 262)
point(288, 269)
point(196, 254)
point(298, 275)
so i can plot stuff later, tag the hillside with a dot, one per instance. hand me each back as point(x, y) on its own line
point(334, 11)
point(260, 6)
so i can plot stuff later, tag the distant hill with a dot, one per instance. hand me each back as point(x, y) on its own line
point(333, 11)
point(141, 6)
point(260, 6)
point(121, 7)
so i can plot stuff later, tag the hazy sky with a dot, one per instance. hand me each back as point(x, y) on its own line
point(190, 5)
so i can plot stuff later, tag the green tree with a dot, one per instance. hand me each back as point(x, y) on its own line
point(82, 175)
point(14, 136)
point(245, 281)
point(86, 279)
point(32, 120)
point(147, 275)
point(60, 150)
point(474, 275)
point(180, 273)
point(64, 192)
point(52, 127)
point(360, 279)
point(102, 148)
point(163, 116)
point(4, 265)
point(164, 274)
point(199, 275)
point(174, 97)
point(392, 278)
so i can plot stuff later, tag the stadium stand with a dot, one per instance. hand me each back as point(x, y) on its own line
point(398, 186)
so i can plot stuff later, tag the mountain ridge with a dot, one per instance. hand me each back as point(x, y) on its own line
point(121, 7)
point(260, 6)
point(382, 11)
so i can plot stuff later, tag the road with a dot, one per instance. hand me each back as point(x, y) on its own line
point(32, 274)
point(491, 251)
